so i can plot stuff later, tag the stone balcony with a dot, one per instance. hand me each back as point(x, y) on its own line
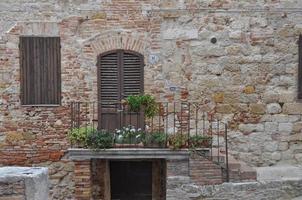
point(128, 154)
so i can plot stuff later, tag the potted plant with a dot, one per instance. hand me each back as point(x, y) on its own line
point(156, 139)
point(200, 141)
point(78, 136)
point(143, 102)
point(177, 141)
point(100, 140)
point(128, 137)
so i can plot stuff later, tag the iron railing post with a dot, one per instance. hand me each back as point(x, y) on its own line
point(218, 142)
point(71, 117)
point(226, 153)
point(167, 124)
point(189, 116)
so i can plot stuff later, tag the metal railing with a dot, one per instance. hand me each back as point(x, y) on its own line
point(185, 120)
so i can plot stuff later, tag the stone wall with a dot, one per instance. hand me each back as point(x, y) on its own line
point(181, 188)
point(23, 183)
point(15, 190)
point(248, 77)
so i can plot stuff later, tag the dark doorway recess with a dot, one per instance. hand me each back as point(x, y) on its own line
point(131, 180)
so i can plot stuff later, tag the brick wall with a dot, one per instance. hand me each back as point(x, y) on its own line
point(248, 77)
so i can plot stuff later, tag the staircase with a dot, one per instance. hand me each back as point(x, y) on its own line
point(208, 168)
point(204, 171)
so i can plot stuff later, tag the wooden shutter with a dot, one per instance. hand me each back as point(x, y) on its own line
point(132, 74)
point(120, 74)
point(300, 68)
point(40, 70)
point(109, 84)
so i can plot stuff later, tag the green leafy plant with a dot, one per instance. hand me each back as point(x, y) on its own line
point(177, 141)
point(146, 101)
point(199, 141)
point(78, 136)
point(100, 140)
point(157, 139)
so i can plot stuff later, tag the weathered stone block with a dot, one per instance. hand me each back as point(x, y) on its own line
point(271, 126)
point(257, 108)
point(100, 15)
point(273, 108)
point(285, 127)
point(28, 136)
point(249, 98)
point(218, 97)
point(283, 146)
point(276, 156)
point(13, 137)
point(299, 157)
point(295, 138)
point(207, 50)
point(271, 97)
point(285, 118)
point(238, 34)
point(249, 89)
point(297, 127)
point(271, 146)
point(292, 108)
point(179, 33)
point(248, 128)
point(224, 108)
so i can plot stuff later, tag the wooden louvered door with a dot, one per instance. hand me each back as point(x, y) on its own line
point(120, 74)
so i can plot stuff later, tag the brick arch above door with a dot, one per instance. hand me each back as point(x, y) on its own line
point(112, 40)
point(107, 41)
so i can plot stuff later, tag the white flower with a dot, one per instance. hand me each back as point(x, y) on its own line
point(138, 136)
point(127, 129)
point(139, 129)
point(132, 130)
point(118, 131)
point(147, 127)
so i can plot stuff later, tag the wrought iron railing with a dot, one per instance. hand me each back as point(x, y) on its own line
point(185, 120)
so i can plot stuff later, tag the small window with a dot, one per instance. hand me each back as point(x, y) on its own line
point(40, 70)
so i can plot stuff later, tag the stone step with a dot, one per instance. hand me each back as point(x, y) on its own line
point(210, 182)
point(210, 174)
point(213, 168)
point(203, 169)
point(204, 166)
point(248, 175)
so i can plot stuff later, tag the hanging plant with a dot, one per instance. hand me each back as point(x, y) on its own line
point(145, 101)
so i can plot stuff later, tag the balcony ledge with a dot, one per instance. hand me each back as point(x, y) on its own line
point(127, 153)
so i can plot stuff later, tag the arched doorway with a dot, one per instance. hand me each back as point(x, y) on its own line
point(120, 74)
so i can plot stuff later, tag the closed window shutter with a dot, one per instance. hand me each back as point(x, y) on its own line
point(120, 75)
point(300, 68)
point(133, 74)
point(40, 70)
point(109, 80)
